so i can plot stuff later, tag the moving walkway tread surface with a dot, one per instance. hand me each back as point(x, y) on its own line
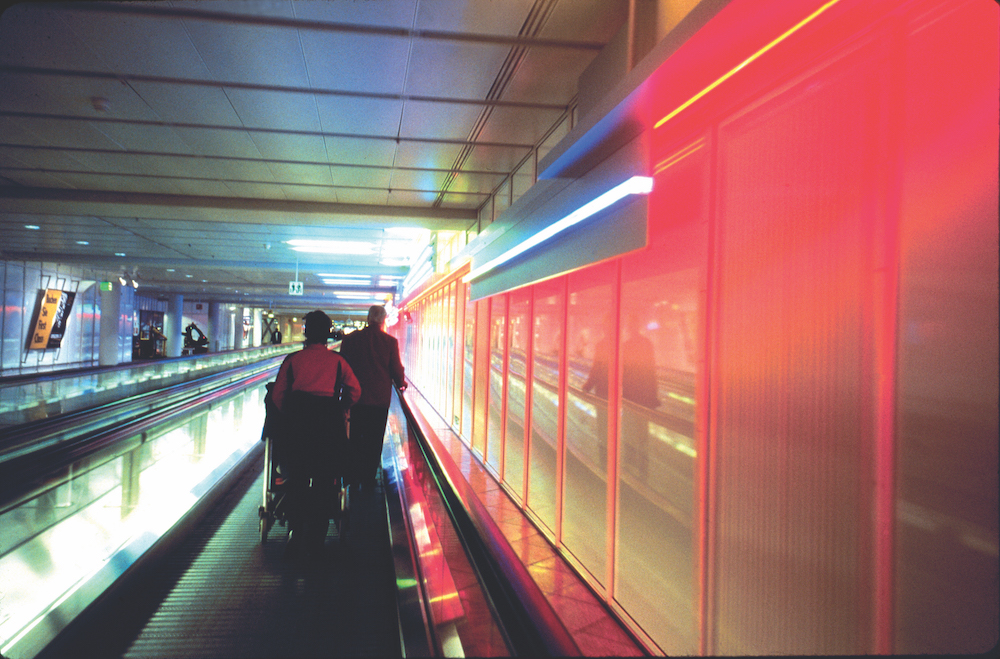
point(221, 593)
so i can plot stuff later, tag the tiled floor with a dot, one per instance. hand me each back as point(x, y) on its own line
point(588, 621)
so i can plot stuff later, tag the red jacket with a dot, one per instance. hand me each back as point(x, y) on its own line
point(316, 370)
point(374, 357)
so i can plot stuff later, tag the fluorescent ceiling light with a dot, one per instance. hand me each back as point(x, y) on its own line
point(347, 282)
point(394, 261)
point(354, 296)
point(404, 233)
point(634, 185)
point(332, 246)
point(403, 251)
point(330, 274)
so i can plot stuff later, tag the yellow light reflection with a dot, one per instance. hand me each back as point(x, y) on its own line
point(792, 30)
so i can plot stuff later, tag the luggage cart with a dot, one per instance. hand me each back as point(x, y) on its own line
point(272, 509)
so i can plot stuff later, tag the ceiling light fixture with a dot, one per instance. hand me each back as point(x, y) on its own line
point(346, 282)
point(331, 246)
point(346, 295)
point(634, 186)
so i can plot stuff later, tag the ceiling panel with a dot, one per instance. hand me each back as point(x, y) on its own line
point(487, 157)
point(292, 173)
point(350, 62)
point(358, 151)
point(518, 126)
point(274, 109)
point(428, 181)
point(55, 132)
point(245, 53)
point(129, 137)
point(453, 69)
point(29, 178)
point(41, 35)
point(228, 143)
point(359, 116)
point(542, 74)
point(495, 18)
point(377, 177)
point(204, 106)
point(125, 44)
point(421, 156)
point(282, 146)
point(440, 120)
point(384, 13)
point(225, 134)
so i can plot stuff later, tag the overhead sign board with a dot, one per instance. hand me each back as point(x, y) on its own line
point(295, 288)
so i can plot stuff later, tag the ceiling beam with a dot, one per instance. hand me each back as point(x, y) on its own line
point(193, 82)
point(304, 267)
point(254, 129)
point(159, 11)
point(62, 201)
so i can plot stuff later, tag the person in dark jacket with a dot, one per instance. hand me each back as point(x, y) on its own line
point(312, 392)
point(374, 357)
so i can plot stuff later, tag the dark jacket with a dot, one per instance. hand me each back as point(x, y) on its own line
point(374, 357)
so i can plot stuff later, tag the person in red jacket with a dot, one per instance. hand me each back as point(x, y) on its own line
point(374, 357)
point(313, 391)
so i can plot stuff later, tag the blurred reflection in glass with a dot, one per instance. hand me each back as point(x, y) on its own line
point(469, 355)
point(498, 342)
point(546, 351)
point(518, 344)
point(639, 392)
point(591, 331)
point(662, 295)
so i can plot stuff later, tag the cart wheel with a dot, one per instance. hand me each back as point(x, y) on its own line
point(264, 528)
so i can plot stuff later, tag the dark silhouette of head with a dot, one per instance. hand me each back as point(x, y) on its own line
point(318, 326)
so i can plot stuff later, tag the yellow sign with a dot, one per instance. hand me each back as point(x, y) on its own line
point(50, 325)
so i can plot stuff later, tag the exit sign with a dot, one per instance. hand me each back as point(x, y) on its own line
point(295, 288)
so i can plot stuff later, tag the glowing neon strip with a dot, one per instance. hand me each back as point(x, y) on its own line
point(634, 185)
point(795, 28)
point(677, 157)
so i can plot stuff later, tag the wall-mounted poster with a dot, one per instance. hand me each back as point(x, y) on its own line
point(50, 321)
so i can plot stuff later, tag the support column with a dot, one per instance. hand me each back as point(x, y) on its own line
point(173, 325)
point(215, 330)
point(110, 346)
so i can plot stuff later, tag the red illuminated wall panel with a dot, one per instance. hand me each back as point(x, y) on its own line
point(794, 424)
point(946, 528)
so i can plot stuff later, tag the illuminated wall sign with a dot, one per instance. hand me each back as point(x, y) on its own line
point(50, 323)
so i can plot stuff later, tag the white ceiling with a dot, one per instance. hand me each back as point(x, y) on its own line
point(232, 127)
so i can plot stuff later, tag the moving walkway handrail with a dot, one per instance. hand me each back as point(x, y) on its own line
point(526, 617)
point(33, 451)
